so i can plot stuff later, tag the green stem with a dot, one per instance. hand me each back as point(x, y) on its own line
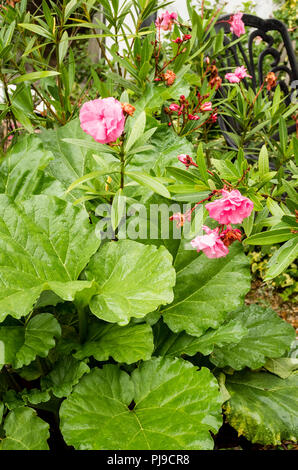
point(122, 159)
point(83, 323)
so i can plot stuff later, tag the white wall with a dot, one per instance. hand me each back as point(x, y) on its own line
point(262, 8)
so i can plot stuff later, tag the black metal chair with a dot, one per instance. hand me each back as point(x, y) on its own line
point(277, 47)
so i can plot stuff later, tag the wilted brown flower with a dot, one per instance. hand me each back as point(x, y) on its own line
point(169, 77)
point(271, 80)
point(128, 108)
point(230, 235)
point(215, 82)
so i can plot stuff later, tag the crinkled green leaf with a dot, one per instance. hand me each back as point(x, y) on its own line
point(22, 170)
point(44, 245)
point(65, 374)
point(267, 336)
point(176, 344)
point(134, 279)
point(206, 289)
point(24, 430)
point(165, 404)
point(127, 344)
point(23, 343)
point(263, 407)
point(36, 396)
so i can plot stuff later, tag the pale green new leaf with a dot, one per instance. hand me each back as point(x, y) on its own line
point(263, 407)
point(34, 76)
point(176, 344)
point(134, 279)
point(45, 243)
point(263, 162)
point(206, 289)
point(283, 366)
point(118, 208)
point(267, 336)
point(24, 430)
point(127, 344)
point(136, 131)
point(165, 404)
point(149, 181)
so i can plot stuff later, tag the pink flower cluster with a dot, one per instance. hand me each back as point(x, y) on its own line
point(237, 75)
point(103, 119)
point(211, 244)
point(231, 208)
point(236, 24)
point(166, 20)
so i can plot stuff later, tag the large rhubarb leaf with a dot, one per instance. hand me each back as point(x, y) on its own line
point(127, 344)
point(22, 170)
point(44, 245)
point(24, 430)
point(133, 279)
point(21, 344)
point(267, 336)
point(206, 290)
point(263, 407)
point(165, 404)
point(175, 344)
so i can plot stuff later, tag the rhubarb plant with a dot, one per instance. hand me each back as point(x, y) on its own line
point(123, 258)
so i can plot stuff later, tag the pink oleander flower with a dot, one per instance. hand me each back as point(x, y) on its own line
point(174, 107)
point(211, 243)
point(166, 20)
point(231, 208)
point(241, 72)
point(214, 117)
point(232, 78)
point(103, 119)
point(186, 37)
point(236, 24)
point(186, 160)
point(207, 106)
